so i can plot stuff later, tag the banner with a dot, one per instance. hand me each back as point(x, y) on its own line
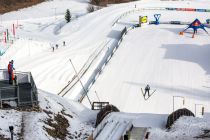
point(144, 19)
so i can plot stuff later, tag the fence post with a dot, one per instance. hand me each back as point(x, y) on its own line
point(11, 129)
point(202, 111)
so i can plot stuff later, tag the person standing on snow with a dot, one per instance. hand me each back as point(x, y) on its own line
point(52, 46)
point(11, 72)
point(147, 88)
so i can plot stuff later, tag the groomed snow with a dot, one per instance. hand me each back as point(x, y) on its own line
point(156, 55)
point(173, 65)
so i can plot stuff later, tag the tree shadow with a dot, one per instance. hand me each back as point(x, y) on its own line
point(114, 34)
point(199, 54)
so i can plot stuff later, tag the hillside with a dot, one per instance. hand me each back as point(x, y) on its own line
point(176, 67)
point(12, 5)
point(56, 118)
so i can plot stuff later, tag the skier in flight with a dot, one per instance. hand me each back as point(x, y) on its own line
point(146, 90)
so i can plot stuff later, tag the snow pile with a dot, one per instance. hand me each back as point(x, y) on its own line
point(185, 128)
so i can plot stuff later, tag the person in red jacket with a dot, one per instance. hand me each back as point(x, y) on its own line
point(11, 72)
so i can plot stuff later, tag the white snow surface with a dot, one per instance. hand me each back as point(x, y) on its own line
point(34, 122)
point(173, 65)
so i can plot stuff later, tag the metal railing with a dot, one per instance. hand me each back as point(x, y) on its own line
point(12, 92)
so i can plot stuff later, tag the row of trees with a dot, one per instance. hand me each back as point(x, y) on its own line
point(11, 5)
point(14, 2)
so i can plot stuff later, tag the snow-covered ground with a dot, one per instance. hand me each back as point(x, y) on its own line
point(173, 65)
point(32, 124)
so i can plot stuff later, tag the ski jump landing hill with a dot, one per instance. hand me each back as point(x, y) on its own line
point(175, 86)
point(114, 46)
point(174, 81)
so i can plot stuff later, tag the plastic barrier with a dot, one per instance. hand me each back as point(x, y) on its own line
point(201, 10)
point(170, 8)
point(180, 9)
point(175, 22)
point(189, 9)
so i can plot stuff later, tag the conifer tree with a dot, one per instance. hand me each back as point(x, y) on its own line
point(68, 16)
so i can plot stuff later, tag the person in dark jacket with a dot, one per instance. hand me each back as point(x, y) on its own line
point(11, 72)
point(147, 88)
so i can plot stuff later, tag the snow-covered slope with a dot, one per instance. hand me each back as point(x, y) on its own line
point(173, 65)
point(34, 124)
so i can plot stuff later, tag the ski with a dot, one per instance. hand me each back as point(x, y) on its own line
point(150, 95)
point(142, 91)
point(145, 95)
